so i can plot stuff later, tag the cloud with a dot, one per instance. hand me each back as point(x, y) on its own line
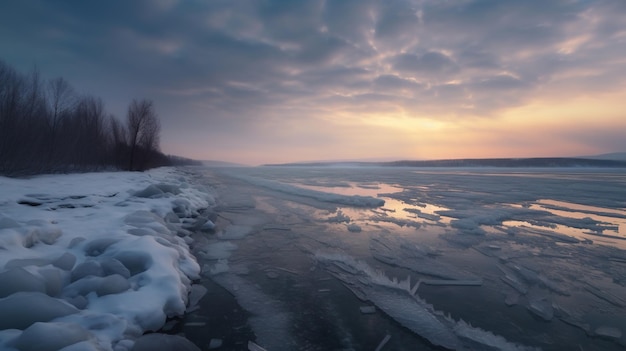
point(233, 64)
point(430, 64)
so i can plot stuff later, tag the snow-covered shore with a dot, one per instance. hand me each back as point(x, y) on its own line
point(92, 261)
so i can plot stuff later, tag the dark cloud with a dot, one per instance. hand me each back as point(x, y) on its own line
point(234, 63)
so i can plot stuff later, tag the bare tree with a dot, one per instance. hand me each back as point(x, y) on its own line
point(22, 120)
point(47, 127)
point(61, 98)
point(143, 129)
point(11, 95)
point(119, 141)
point(85, 138)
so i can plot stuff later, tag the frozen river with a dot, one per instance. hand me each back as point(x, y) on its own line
point(413, 259)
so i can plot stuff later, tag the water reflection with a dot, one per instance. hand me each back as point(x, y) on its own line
point(615, 219)
point(351, 188)
point(503, 228)
point(396, 212)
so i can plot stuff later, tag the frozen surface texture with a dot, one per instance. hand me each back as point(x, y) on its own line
point(89, 261)
point(490, 259)
point(398, 300)
point(306, 258)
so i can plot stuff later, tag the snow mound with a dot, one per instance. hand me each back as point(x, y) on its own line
point(92, 261)
point(22, 309)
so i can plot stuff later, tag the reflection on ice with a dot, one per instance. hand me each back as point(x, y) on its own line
point(350, 189)
point(539, 254)
point(611, 220)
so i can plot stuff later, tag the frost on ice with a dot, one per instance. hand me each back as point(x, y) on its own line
point(398, 299)
point(92, 261)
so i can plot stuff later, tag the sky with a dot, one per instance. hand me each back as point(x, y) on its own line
point(274, 81)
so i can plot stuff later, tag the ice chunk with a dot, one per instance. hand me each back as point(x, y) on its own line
point(82, 286)
point(195, 295)
point(112, 284)
point(19, 279)
point(513, 280)
point(111, 266)
point(252, 346)
point(87, 268)
point(84, 346)
point(79, 301)
point(168, 188)
point(478, 339)
point(22, 309)
point(554, 286)
point(608, 332)
point(141, 218)
point(171, 217)
point(65, 262)
point(605, 295)
point(215, 344)
point(452, 282)
point(151, 191)
point(76, 241)
point(163, 342)
point(207, 226)
point(182, 208)
point(367, 309)
point(541, 307)
point(383, 342)
point(53, 279)
point(135, 261)
point(339, 217)
point(98, 246)
point(50, 336)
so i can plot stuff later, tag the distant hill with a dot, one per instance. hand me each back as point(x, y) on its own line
point(213, 163)
point(540, 162)
point(618, 156)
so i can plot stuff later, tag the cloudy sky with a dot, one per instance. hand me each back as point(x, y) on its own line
point(277, 81)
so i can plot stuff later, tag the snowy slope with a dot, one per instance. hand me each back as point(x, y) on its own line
point(92, 261)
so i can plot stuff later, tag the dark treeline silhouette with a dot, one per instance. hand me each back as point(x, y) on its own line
point(47, 127)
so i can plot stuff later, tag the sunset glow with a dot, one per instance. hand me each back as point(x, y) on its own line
point(274, 81)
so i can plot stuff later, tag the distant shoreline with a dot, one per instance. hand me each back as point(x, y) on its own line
point(539, 162)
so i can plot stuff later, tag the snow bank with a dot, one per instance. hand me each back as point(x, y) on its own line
point(92, 261)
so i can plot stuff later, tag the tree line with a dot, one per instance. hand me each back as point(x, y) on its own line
point(46, 126)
